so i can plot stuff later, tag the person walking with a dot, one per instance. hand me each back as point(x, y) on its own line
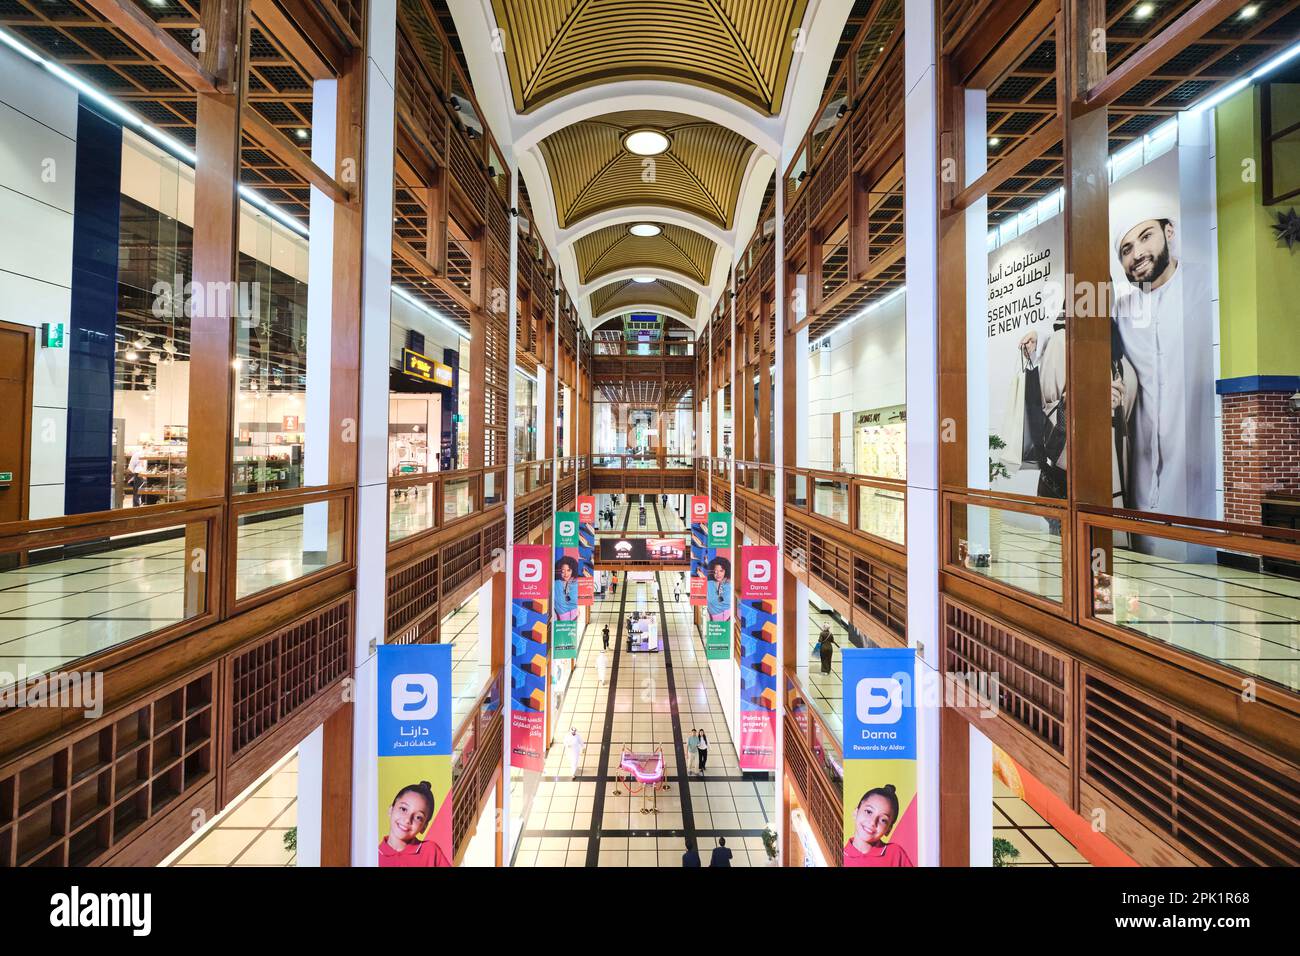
point(613, 584)
point(704, 751)
point(692, 750)
point(826, 644)
point(604, 637)
point(677, 593)
point(602, 663)
point(721, 854)
point(574, 744)
point(691, 857)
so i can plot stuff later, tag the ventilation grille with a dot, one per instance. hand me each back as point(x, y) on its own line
point(412, 595)
point(1218, 798)
point(1033, 682)
point(283, 672)
point(72, 805)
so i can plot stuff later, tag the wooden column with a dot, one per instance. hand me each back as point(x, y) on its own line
point(765, 421)
point(336, 789)
point(954, 789)
point(216, 242)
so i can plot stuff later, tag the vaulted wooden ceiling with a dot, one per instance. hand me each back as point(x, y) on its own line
point(592, 172)
point(613, 248)
point(627, 294)
point(741, 48)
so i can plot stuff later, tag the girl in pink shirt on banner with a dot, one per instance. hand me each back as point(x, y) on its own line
point(875, 816)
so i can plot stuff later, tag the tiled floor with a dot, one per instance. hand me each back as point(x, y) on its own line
point(647, 704)
point(252, 832)
point(1038, 842)
point(56, 612)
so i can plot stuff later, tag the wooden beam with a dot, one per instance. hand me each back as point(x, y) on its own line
point(1169, 42)
point(309, 48)
point(137, 25)
point(284, 149)
point(1010, 164)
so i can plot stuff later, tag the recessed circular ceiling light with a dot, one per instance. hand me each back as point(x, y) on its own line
point(1249, 10)
point(993, 141)
point(301, 133)
point(1144, 10)
point(646, 142)
point(643, 279)
point(644, 229)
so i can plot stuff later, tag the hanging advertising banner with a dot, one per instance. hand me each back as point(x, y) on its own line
point(880, 806)
point(717, 564)
point(586, 550)
point(568, 585)
point(759, 567)
point(530, 659)
point(415, 748)
point(699, 546)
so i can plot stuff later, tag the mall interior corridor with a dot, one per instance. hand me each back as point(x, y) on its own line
point(650, 701)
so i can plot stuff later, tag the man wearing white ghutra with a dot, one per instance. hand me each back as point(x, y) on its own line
point(1164, 328)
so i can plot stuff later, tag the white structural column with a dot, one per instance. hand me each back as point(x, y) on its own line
point(921, 236)
point(372, 429)
point(778, 463)
point(981, 798)
point(512, 317)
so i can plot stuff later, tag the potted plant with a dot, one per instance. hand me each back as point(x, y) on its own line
point(769, 843)
point(291, 840)
point(1004, 851)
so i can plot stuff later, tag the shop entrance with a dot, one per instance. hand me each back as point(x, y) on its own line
point(17, 346)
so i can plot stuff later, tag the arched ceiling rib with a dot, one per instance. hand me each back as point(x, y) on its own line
point(614, 248)
point(626, 294)
point(591, 172)
point(741, 48)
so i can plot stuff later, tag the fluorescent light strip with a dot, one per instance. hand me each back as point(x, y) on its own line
point(432, 313)
point(874, 306)
point(1236, 86)
point(129, 118)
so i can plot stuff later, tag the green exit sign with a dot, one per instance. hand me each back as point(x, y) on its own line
point(52, 335)
point(6, 477)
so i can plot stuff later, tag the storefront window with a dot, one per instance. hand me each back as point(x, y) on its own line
point(525, 417)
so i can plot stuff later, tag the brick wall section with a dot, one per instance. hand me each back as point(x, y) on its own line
point(1261, 452)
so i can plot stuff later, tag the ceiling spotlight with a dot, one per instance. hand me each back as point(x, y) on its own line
point(155, 357)
point(993, 140)
point(301, 134)
point(1249, 10)
point(643, 279)
point(646, 142)
point(132, 355)
point(645, 230)
point(1143, 11)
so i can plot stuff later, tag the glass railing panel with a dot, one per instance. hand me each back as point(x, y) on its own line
point(882, 512)
point(68, 602)
point(831, 499)
point(411, 509)
point(1015, 548)
point(282, 544)
point(457, 499)
point(1224, 604)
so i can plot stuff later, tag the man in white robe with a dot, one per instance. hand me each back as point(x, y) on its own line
point(1164, 326)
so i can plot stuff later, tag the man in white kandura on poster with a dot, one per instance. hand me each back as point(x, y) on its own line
point(1163, 326)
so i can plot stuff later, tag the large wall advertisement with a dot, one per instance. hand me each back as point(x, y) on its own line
point(1162, 356)
point(757, 602)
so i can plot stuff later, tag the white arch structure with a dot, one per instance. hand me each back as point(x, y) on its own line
point(775, 136)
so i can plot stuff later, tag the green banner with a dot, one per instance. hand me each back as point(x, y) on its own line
point(717, 640)
point(566, 529)
point(564, 640)
point(719, 529)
